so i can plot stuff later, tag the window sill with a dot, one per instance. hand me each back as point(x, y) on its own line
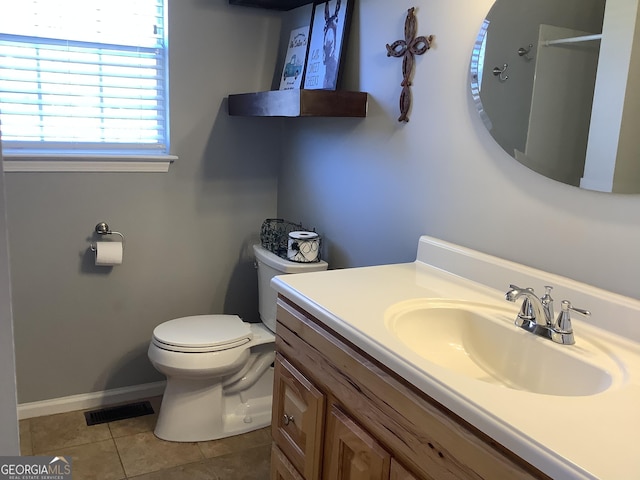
point(23, 162)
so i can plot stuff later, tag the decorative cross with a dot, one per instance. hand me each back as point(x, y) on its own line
point(408, 49)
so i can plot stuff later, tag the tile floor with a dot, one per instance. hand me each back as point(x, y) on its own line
point(128, 449)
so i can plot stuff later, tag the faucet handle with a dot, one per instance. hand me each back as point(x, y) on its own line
point(547, 304)
point(563, 323)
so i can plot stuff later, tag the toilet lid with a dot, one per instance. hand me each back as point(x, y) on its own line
point(202, 333)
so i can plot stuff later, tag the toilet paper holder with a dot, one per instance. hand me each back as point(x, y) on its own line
point(103, 229)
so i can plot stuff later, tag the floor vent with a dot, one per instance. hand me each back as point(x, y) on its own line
point(120, 412)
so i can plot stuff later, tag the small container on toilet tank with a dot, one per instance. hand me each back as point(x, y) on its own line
point(303, 247)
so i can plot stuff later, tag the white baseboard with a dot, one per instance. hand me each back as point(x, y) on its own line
point(90, 400)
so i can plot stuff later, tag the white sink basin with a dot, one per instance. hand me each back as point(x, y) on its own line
point(481, 342)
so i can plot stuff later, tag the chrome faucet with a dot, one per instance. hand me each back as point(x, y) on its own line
point(536, 315)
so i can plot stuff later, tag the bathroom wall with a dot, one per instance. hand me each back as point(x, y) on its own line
point(79, 328)
point(373, 186)
point(9, 441)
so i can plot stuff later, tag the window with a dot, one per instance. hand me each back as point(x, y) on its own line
point(83, 78)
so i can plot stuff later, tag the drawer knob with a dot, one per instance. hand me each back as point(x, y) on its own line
point(287, 419)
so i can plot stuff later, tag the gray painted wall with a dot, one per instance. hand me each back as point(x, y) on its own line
point(9, 440)
point(80, 328)
point(373, 186)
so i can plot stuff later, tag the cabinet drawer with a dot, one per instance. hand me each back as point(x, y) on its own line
point(298, 413)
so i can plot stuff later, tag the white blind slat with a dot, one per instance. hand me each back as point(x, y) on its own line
point(82, 74)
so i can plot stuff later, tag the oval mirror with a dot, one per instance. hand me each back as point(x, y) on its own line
point(552, 81)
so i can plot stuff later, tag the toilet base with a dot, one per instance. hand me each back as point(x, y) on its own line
point(196, 411)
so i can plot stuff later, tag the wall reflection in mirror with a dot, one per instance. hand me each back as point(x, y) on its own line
point(553, 81)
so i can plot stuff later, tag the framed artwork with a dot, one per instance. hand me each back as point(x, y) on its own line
point(295, 59)
point(329, 32)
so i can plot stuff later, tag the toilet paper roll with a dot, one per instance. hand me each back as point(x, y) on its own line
point(108, 253)
point(303, 247)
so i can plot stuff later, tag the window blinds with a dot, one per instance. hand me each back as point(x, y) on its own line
point(82, 75)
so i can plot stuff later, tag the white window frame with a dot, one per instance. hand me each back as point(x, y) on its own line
point(96, 160)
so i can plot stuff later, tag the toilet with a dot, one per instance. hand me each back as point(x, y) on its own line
point(219, 369)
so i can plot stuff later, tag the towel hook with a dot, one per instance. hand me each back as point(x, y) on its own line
point(103, 229)
point(500, 72)
point(524, 52)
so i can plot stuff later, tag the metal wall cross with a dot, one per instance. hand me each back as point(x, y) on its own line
point(408, 49)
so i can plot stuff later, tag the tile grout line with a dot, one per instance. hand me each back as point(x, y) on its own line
point(124, 470)
point(200, 450)
point(126, 476)
point(32, 450)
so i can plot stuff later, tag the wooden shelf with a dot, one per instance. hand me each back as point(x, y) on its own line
point(271, 4)
point(299, 103)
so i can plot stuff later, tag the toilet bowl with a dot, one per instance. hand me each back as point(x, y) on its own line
point(219, 369)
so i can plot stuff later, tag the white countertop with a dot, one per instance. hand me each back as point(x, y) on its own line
point(595, 436)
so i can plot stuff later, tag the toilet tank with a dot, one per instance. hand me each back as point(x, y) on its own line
point(269, 265)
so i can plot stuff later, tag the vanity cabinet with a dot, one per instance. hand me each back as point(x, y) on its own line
point(340, 414)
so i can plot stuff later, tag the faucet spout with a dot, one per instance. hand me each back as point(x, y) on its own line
point(516, 292)
point(533, 310)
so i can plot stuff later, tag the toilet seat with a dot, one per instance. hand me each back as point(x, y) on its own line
point(202, 333)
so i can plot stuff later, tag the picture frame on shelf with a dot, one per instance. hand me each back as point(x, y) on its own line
point(295, 59)
point(329, 34)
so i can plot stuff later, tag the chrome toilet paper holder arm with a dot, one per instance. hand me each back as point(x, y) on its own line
point(103, 229)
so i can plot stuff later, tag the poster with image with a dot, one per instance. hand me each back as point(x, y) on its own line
point(294, 61)
point(328, 34)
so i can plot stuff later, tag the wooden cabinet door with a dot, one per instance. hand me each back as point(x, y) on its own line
point(351, 453)
point(281, 468)
point(298, 414)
